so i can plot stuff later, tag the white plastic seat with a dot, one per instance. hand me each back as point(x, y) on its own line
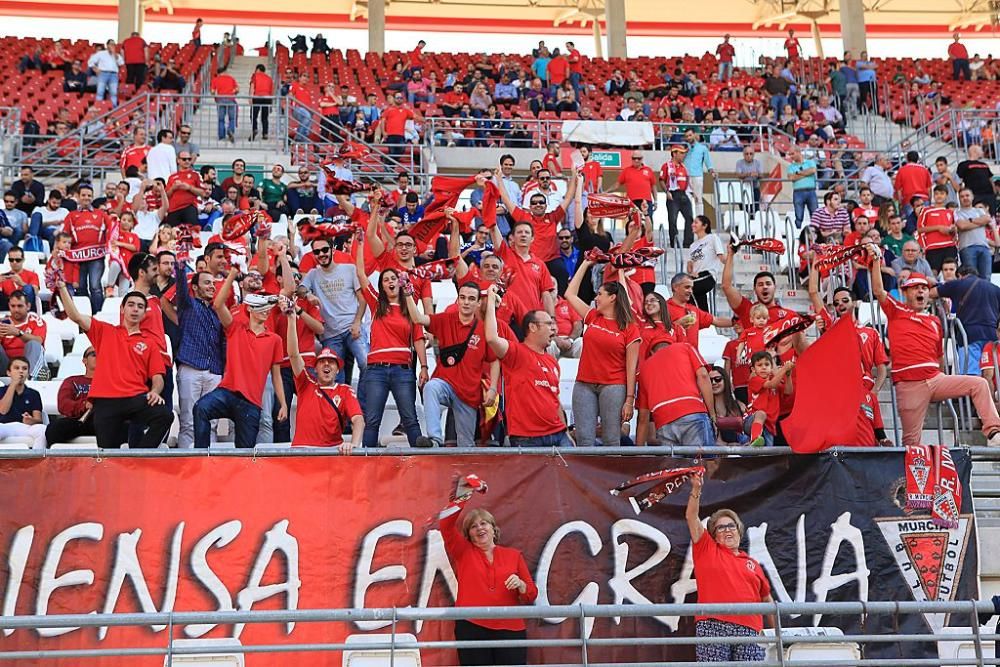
point(112, 304)
point(82, 304)
point(71, 364)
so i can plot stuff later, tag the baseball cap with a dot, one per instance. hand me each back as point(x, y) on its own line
point(327, 353)
point(678, 148)
point(916, 279)
point(260, 302)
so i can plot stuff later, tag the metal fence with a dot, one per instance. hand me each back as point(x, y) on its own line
point(777, 642)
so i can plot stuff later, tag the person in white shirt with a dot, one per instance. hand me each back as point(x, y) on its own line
point(724, 139)
point(47, 220)
point(161, 161)
point(105, 64)
point(877, 179)
point(826, 110)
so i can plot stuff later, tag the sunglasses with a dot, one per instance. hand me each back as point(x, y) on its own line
point(636, 159)
point(545, 178)
point(715, 379)
point(321, 251)
point(565, 238)
point(538, 203)
point(15, 259)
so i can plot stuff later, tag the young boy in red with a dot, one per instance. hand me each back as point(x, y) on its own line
point(751, 341)
point(765, 401)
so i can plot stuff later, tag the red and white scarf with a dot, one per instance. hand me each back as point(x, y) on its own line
point(668, 481)
point(932, 483)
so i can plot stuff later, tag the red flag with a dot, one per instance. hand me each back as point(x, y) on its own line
point(491, 195)
point(828, 392)
point(446, 190)
point(771, 188)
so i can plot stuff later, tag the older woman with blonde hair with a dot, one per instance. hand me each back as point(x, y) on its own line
point(724, 574)
point(489, 575)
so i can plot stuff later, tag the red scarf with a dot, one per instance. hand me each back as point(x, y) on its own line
point(919, 463)
point(932, 483)
point(491, 195)
point(442, 269)
point(764, 245)
point(445, 191)
point(668, 481)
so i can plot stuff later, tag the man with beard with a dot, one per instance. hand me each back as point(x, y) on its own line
point(764, 289)
point(915, 338)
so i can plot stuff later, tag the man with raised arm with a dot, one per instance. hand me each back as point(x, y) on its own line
point(764, 289)
point(128, 382)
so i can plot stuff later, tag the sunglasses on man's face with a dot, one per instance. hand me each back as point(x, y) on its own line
point(321, 251)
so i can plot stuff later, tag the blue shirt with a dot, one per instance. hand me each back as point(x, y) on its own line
point(505, 91)
point(570, 261)
point(203, 343)
point(977, 304)
point(850, 74)
point(865, 75)
point(28, 401)
point(410, 218)
point(698, 159)
point(541, 68)
point(806, 182)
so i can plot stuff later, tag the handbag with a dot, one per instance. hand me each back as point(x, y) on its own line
point(452, 355)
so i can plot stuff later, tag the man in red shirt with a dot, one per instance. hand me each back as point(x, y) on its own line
point(225, 89)
point(937, 231)
point(532, 284)
point(184, 187)
point(414, 59)
point(22, 334)
point(792, 46)
point(675, 390)
point(684, 314)
point(128, 383)
point(544, 227)
point(261, 92)
point(135, 53)
point(134, 155)
point(89, 229)
point(725, 52)
point(675, 182)
point(18, 278)
point(569, 330)
point(915, 340)
point(639, 181)
point(558, 70)
point(959, 60)
point(392, 128)
point(764, 289)
point(462, 359)
point(913, 179)
point(302, 95)
point(251, 352)
point(575, 67)
point(531, 379)
point(592, 172)
point(865, 206)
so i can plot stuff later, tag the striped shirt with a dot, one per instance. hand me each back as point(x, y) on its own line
point(836, 222)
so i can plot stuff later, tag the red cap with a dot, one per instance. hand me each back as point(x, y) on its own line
point(916, 279)
point(327, 353)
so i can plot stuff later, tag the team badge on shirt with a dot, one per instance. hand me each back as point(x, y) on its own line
point(139, 347)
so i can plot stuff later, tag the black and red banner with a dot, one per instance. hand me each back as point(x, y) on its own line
point(205, 534)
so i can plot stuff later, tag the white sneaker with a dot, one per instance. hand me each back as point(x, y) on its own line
point(994, 440)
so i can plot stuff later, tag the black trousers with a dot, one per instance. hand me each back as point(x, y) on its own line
point(65, 429)
point(135, 74)
point(937, 256)
point(465, 631)
point(679, 202)
point(704, 283)
point(183, 216)
point(260, 107)
point(113, 415)
point(559, 274)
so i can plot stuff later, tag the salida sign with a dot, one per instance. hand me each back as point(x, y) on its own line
point(125, 535)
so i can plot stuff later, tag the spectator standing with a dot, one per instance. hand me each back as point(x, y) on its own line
point(76, 412)
point(605, 382)
point(697, 161)
point(675, 391)
point(915, 338)
point(688, 319)
point(725, 52)
point(89, 229)
point(533, 286)
point(302, 102)
point(705, 261)
point(183, 190)
point(876, 177)
point(22, 334)
point(802, 173)
point(161, 160)
point(976, 175)
point(959, 56)
point(575, 68)
point(135, 154)
point(867, 76)
point(251, 352)
point(183, 143)
point(135, 53)
point(944, 176)
point(973, 244)
point(978, 307)
point(792, 46)
point(675, 182)
point(912, 179)
point(196, 33)
point(262, 94)
point(105, 63)
point(29, 192)
point(936, 230)
point(392, 128)
point(639, 181)
point(21, 406)
point(225, 89)
point(749, 170)
point(128, 385)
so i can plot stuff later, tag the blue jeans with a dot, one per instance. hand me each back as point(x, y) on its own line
point(574, 80)
point(359, 349)
point(223, 404)
point(90, 283)
point(778, 103)
point(108, 81)
point(559, 439)
point(801, 200)
point(691, 430)
point(304, 119)
point(38, 230)
point(725, 71)
point(979, 256)
point(227, 117)
point(378, 381)
point(306, 204)
point(975, 350)
point(768, 436)
point(438, 395)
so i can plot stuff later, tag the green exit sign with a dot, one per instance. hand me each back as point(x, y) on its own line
point(612, 159)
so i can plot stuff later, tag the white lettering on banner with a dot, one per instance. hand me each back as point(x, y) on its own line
point(275, 540)
point(217, 537)
point(435, 563)
point(621, 582)
point(49, 582)
point(17, 561)
point(758, 551)
point(590, 592)
point(364, 576)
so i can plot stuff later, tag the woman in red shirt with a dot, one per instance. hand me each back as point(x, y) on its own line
point(724, 574)
point(656, 326)
point(488, 575)
point(605, 380)
point(394, 340)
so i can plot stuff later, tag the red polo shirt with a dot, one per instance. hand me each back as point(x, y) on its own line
point(669, 386)
point(394, 120)
point(127, 361)
point(464, 377)
point(317, 423)
point(725, 577)
point(133, 156)
point(638, 182)
point(224, 86)
point(702, 320)
point(532, 277)
point(14, 345)
point(915, 341)
point(179, 199)
point(531, 384)
point(249, 358)
point(545, 246)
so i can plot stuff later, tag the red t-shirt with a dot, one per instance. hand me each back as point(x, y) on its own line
point(465, 376)
point(128, 361)
point(775, 312)
point(933, 216)
point(224, 86)
point(392, 335)
point(957, 51)
point(702, 320)
point(388, 260)
point(415, 58)
point(89, 228)
point(766, 400)
point(738, 367)
point(531, 384)
point(262, 84)
point(638, 182)
point(986, 360)
point(725, 577)
point(792, 47)
point(180, 198)
point(914, 341)
point(31, 278)
point(134, 50)
point(545, 246)
point(131, 239)
point(566, 317)
point(869, 212)
point(669, 387)
point(604, 345)
point(593, 174)
point(278, 323)
point(726, 52)
point(532, 277)
point(558, 70)
point(575, 61)
point(249, 358)
point(911, 180)
point(317, 423)
point(394, 120)
point(302, 94)
point(133, 156)
point(152, 326)
point(654, 333)
point(33, 324)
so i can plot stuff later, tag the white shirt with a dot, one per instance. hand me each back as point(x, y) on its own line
point(704, 252)
point(103, 61)
point(879, 182)
point(161, 161)
point(50, 217)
